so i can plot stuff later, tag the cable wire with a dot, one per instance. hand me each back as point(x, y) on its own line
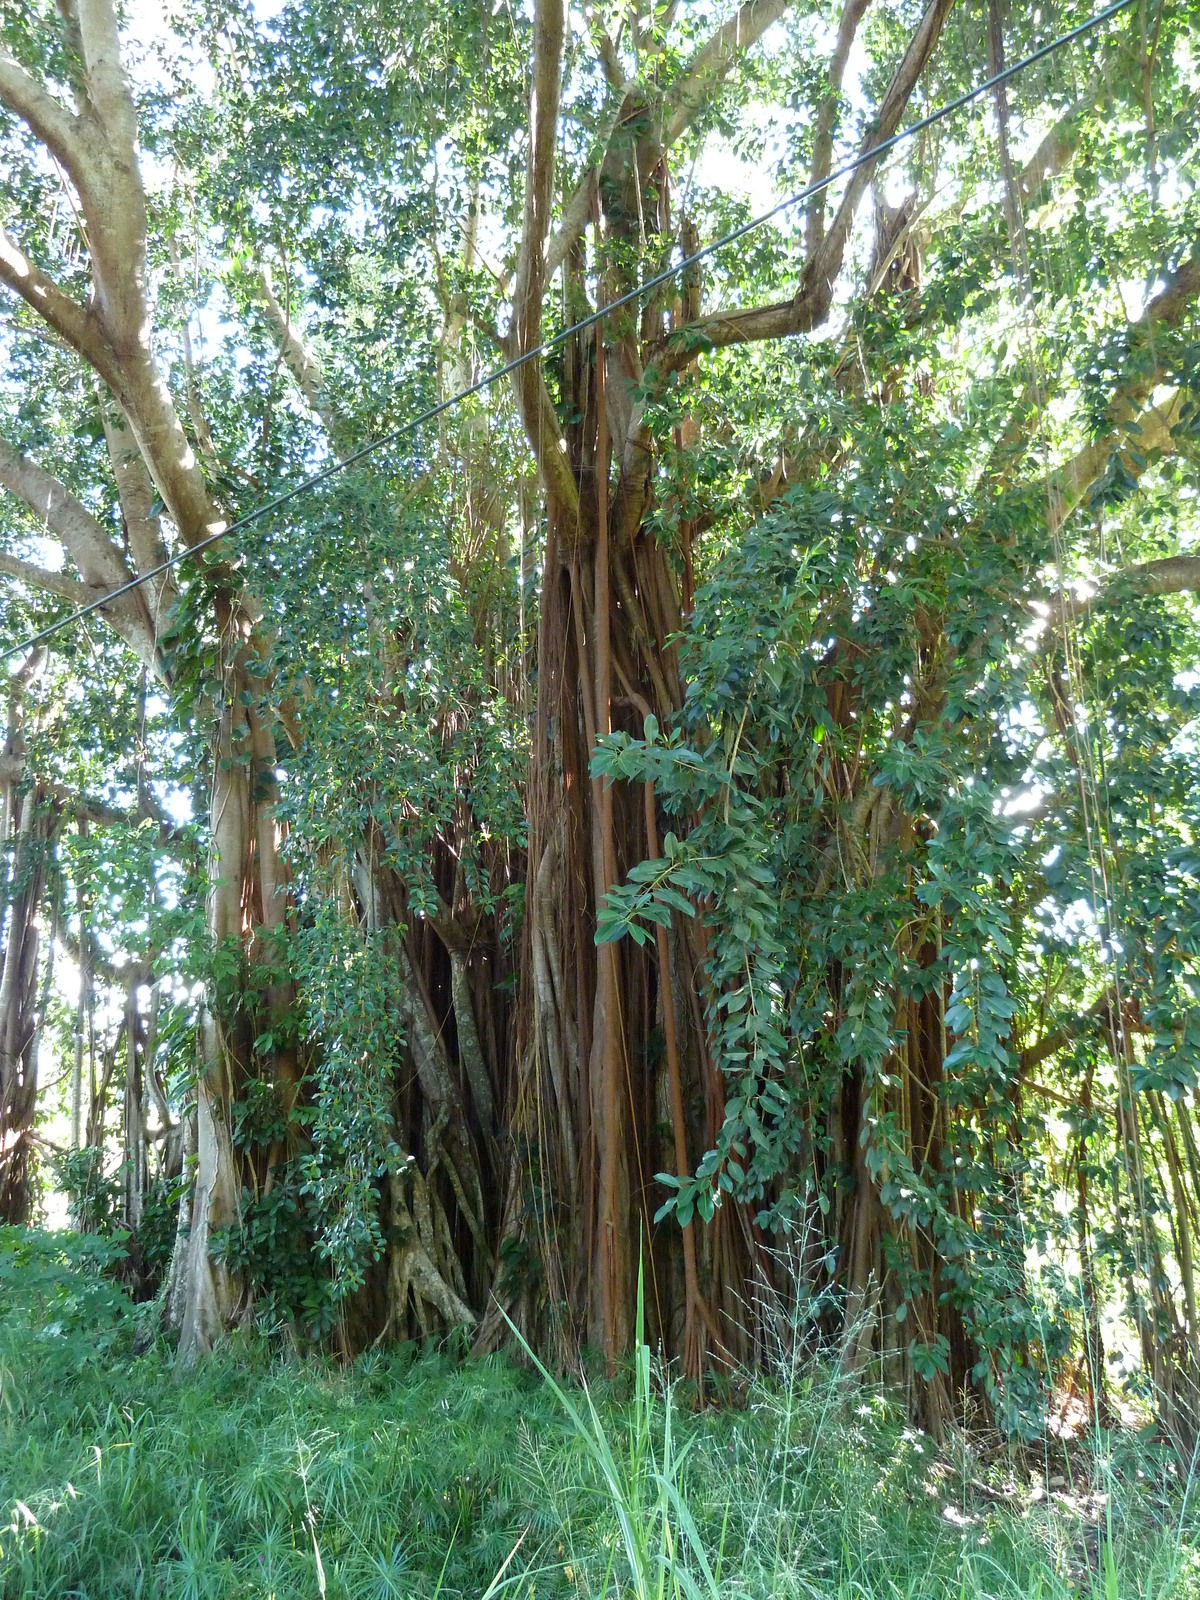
point(593, 317)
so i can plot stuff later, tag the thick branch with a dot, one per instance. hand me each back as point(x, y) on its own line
point(684, 101)
point(544, 91)
point(98, 148)
point(823, 271)
point(134, 380)
point(113, 334)
point(814, 225)
point(101, 565)
point(1145, 579)
point(1071, 480)
point(457, 932)
point(1105, 1011)
point(107, 84)
point(53, 124)
point(69, 320)
point(1151, 430)
point(136, 492)
point(537, 413)
point(810, 306)
point(607, 51)
point(297, 357)
point(579, 207)
point(100, 562)
point(116, 977)
point(1058, 145)
point(46, 581)
point(83, 808)
point(688, 96)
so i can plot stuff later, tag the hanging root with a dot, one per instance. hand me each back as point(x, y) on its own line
point(412, 1267)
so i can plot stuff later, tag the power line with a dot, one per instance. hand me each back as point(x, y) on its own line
point(552, 343)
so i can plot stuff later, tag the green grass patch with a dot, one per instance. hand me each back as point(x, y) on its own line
point(419, 1474)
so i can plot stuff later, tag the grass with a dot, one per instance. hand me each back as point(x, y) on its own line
point(417, 1474)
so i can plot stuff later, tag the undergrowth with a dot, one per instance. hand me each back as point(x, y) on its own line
point(422, 1474)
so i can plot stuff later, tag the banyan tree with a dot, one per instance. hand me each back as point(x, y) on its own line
point(714, 808)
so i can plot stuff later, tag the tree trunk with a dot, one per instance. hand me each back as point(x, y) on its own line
point(31, 850)
point(598, 1025)
point(85, 1043)
point(28, 827)
point(247, 901)
point(134, 1131)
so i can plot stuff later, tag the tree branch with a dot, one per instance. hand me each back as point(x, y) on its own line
point(537, 413)
point(1069, 481)
point(72, 322)
point(606, 50)
point(99, 150)
point(51, 122)
point(579, 207)
point(688, 95)
point(297, 357)
point(814, 224)
point(683, 102)
point(135, 490)
point(105, 78)
point(1145, 579)
point(544, 92)
point(1151, 430)
point(116, 977)
point(47, 582)
point(810, 306)
point(109, 181)
point(85, 809)
point(113, 334)
point(100, 563)
point(1058, 145)
point(1105, 1011)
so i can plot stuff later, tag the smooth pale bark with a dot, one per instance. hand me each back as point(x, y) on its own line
point(97, 148)
point(205, 1294)
point(1059, 144)
point(41, 580)
point(101, 564)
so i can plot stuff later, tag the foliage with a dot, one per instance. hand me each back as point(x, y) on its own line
point(60, 1297)
point(269, 1243)
point(861, 715)
point(93, 1195)
point(158, 1225)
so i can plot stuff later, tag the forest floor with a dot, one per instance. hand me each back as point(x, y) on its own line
point(428, 1474)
